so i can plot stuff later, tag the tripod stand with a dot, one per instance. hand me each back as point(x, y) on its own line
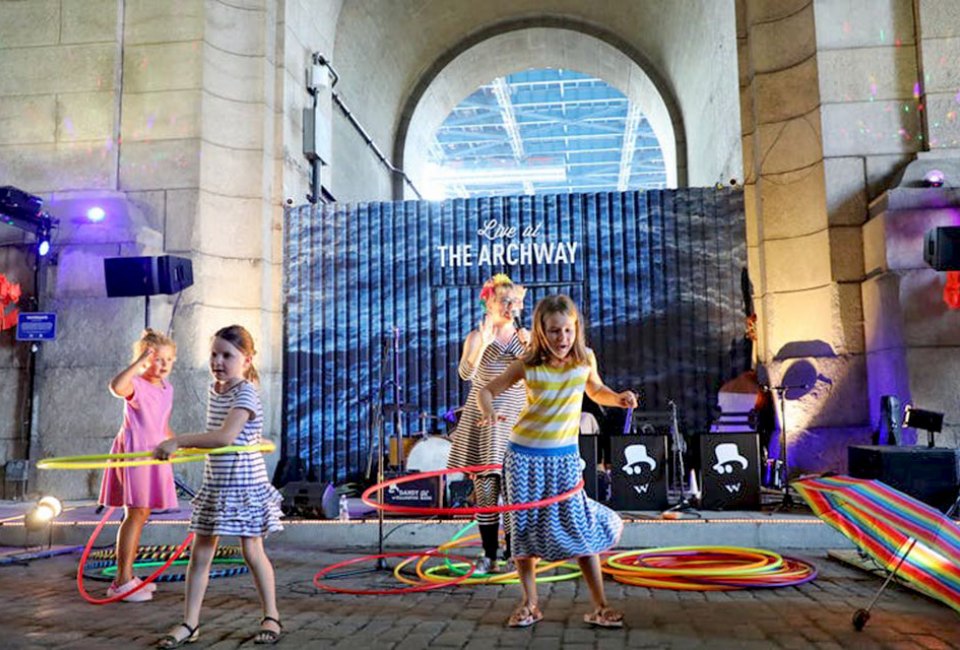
point(786, 500)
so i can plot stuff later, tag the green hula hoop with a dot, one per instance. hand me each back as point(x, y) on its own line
point(185, 455)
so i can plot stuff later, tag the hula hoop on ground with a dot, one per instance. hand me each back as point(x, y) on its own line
point(106, 571)
point(707, 568)
point(185, 455)
point(112, 599)
point(318, 577)
point(473, 469)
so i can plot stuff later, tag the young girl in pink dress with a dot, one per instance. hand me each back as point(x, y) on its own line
point(147, 402)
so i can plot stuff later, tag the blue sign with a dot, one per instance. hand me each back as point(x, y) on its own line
point(36, 326)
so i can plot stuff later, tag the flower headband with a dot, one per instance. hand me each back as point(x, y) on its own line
point(490, 286)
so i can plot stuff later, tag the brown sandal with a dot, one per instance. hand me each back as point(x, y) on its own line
point(604, 617)
point(525, 616)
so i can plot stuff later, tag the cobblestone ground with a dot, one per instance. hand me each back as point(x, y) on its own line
point(41, 609)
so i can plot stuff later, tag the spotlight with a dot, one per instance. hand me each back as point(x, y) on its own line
point(96, 214)
point(934, 178)
point(929, 421)
point(43, 240)
point(45, 511)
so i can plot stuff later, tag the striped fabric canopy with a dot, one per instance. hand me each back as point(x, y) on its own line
point(883, 522)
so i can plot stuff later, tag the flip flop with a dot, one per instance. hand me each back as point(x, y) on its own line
point(604, 617)
point(525, 616)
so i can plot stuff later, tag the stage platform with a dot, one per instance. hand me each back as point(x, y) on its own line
point(778, 531)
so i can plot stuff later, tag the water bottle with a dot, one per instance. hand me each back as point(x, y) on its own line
point(344, 509)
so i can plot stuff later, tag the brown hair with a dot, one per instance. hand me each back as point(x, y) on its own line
point(151, 338)
point(538, 352)
point(239, 337)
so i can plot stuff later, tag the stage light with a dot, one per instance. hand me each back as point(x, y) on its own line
point(43, 242)
point(96, 214)
point(41, 514)
point(929, 421)
point(934, 178)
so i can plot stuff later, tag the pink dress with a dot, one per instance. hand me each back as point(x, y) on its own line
point(145, 416)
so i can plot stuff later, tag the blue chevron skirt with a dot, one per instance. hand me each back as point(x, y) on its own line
point(571, 528)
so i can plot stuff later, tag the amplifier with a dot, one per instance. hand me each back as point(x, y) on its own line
point(928, 475)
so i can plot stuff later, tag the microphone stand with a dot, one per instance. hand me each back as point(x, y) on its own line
point(786, 501)
point(679, 448)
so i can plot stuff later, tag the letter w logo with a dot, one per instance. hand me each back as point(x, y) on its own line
point(733, 488)
point(642, 489)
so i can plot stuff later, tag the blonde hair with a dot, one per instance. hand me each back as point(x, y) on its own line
point(538, 351)
point(151, 338)
point(239, 337)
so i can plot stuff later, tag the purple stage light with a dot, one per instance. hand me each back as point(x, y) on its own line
point(96, 214)
point(934, 178)
point(43, 248)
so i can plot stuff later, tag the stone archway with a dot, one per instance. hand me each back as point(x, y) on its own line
point(507, 48)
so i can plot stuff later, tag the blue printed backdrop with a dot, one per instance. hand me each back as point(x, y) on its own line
point(377, 291)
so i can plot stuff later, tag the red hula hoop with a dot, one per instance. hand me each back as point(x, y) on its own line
point(392, 592)
point(473, 469)
point(112, 599)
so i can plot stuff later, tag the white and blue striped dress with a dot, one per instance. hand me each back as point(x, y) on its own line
point(543, 460)
point(236, 497)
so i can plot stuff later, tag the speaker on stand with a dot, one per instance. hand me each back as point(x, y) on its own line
point(146, 276)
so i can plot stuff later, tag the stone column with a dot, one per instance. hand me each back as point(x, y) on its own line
point(828, 108)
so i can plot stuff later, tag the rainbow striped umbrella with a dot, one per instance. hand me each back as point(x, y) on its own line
point(886, 523)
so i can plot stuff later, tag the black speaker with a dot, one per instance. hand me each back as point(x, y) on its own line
point(730, 471)
point(146, 276)
point(928, 475)
point(638, 472)
point(588, 452)
point(941, 248)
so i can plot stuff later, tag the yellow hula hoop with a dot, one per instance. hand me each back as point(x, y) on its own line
point(185, 455)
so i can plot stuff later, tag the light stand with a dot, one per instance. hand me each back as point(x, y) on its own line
point(786, 500)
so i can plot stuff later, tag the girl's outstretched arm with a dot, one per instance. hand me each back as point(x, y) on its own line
point(497, 385)
point(602, 394)
point(122, 385)
point(226, 435)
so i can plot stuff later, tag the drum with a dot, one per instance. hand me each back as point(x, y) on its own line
point(408, 443)
point(431, 453)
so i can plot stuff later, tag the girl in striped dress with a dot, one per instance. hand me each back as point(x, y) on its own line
point(487, 351)
point(236, 497)
point(543, 459)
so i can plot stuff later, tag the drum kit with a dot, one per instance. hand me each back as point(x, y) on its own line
point(423, 451)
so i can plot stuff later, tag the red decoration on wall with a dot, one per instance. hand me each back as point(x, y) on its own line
point(951, 290)
point(9, 295)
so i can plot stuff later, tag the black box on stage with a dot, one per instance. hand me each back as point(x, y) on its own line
point(147, 276)
point(588, 452)
point(419, 493)
point(730, 471)
point(638, 468)
point(928, 475)
point(941, 248)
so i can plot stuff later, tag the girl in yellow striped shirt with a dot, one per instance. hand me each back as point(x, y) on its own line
point(543, 458)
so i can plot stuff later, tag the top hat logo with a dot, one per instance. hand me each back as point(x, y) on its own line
point(636, 455)
point(727, 454)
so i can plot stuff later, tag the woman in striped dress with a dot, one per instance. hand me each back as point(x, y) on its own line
point(487, 351)
point(543, 459)
point(236, 497)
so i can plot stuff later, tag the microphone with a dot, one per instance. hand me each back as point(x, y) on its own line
point(516, 320)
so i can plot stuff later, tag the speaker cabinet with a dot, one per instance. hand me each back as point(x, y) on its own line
point(147, 276)
point(941, 248)
point(589, 453)
point(639, 472)
point(928, 475)
point(730, 471)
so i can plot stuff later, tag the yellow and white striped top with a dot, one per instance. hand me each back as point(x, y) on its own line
point(551, 417)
